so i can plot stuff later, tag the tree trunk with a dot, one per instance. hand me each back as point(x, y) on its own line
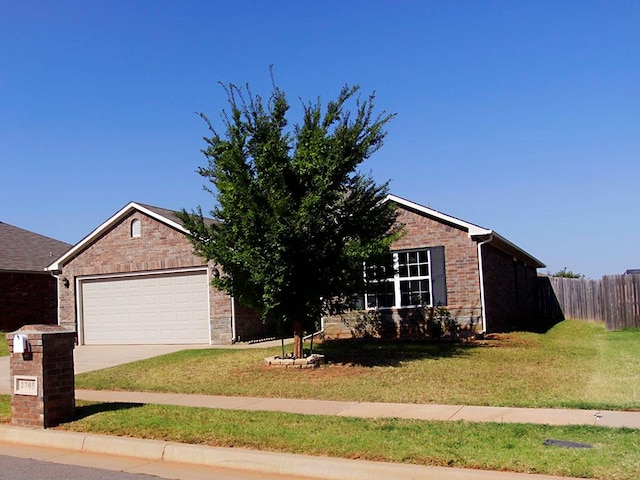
point(298, 333)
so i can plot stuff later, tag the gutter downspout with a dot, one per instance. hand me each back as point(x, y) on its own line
point(482, 299)
point(56, 275)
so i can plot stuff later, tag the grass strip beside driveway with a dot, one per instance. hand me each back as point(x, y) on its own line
point(574, 365)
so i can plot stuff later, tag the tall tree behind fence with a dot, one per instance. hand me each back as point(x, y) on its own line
point(615, 299)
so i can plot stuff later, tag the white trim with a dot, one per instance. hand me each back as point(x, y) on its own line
point(472, 230)
point(106, 225)
point(469, 227)
point(81, 279)
point(396, 279)
point(483, 310)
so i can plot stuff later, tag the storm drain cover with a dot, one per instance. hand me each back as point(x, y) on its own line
point(565, 444)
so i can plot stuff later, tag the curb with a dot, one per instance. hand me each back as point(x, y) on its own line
point(328, 468)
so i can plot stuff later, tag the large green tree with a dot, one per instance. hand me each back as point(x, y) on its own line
point(296, 220)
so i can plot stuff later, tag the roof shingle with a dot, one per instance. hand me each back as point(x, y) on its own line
point(22, 250)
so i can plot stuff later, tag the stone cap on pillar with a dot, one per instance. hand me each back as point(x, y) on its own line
point(41, 328)
point(40, 334)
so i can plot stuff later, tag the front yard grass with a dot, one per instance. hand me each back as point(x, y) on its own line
point(4, 346)
point(489, 446)
point(573, 365)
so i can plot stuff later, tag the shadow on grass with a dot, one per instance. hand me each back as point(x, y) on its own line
point(84, 411)
point(385, 353)
point(536, 325)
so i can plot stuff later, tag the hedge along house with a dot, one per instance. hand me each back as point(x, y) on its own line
point(28, 293)
point(486, 282)
point(135, 280)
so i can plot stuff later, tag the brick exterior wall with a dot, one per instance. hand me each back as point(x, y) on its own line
point(50, 360)
point(510, 290)
point(249, 325)
point(159, 248)
point(462, 277)
point(27, 298)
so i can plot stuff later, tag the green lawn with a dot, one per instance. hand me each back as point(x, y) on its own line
point(490, 446)
point(4, 347)
point(573, 365)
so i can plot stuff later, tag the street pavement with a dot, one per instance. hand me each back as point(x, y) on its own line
point(165, 454)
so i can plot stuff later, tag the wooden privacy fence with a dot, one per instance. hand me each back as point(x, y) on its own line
point(621, 301)
point(615, 299)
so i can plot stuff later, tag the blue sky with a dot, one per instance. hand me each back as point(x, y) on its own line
point(519, 116)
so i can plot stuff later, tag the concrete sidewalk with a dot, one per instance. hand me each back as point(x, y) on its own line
point(550, 416)
point(158, 457)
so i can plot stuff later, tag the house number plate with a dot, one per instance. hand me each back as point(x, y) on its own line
point(25, 385)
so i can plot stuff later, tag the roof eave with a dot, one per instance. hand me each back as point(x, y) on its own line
point(131, 206)
point(510, 247)
point(472, 230)
point(475, 232)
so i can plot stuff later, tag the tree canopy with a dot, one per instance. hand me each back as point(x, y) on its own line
point(295, 218)
point(564, 273)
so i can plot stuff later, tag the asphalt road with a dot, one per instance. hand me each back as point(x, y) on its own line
point(18, 462)
point(23, 469)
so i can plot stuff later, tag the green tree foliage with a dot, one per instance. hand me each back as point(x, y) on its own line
point(295, 218)
point(564, 273)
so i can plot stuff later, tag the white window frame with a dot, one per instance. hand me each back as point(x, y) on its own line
point(136, 228)
point(397, 280)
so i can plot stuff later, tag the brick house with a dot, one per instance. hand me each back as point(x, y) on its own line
point(28, 293)
point(484, 280)
point(135, 280)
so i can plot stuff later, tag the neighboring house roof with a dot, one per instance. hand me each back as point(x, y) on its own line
point(163, 215)
point(475, 232)
point(633, 271)
point(25, 251)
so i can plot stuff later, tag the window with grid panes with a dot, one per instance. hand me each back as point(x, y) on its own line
point(407, 284)
point(413, 278)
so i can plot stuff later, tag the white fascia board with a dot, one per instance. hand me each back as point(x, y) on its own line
point(473, 230)
point(533, 261)
point(106, 225)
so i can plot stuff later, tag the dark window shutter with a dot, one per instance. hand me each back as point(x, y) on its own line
point(438, 276)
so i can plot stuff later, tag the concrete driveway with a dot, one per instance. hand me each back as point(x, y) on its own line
point(87, 358)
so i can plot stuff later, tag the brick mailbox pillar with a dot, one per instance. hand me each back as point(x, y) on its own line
point(42, 375)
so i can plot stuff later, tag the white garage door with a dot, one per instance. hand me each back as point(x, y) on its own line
point(170, 308)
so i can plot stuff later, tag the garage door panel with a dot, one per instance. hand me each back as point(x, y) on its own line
point(170, 308)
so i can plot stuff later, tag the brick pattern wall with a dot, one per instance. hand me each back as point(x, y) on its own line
point(462, 276)
point(50, 360)
point(461, 258)
point(27, 298)
point(159, 248)
point(510, 290)
point(249, 325)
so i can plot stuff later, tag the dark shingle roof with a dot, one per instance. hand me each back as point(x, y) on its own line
point(22, 250)
point(171, 214)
